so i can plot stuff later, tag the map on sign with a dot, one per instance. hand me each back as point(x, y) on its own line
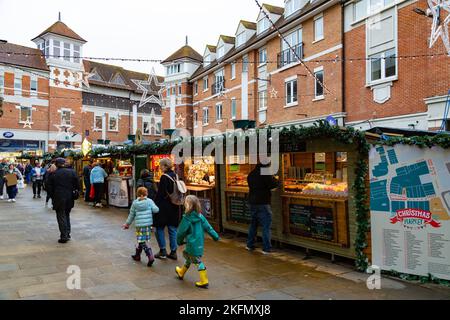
point(410, 209)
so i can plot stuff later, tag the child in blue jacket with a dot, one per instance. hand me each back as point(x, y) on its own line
point(141, 212)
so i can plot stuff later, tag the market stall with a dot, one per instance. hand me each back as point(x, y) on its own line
point(200, 179)
point(120, 184)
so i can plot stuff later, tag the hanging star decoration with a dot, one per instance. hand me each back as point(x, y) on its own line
point(64, 129)
point(84, 79)
point(221, 90)
point(27, 123)
point(144, 86)
point(180, 120)
point(273, 93)
point(439, 27)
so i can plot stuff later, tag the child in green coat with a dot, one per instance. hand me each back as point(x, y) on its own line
point(191, 232)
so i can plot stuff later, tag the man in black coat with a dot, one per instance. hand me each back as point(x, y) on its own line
point(63, 185)
point(260, 191)
point(87, 181)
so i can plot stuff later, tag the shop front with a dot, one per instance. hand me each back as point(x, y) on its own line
point(13, 149)
point(200, 177)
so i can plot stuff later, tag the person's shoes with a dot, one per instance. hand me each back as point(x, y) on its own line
point(203, 283)
point(149, 254)
point(99, 205)
point(9, 200)
point(267, 252)
point(250, 248)
point(34, 196)
point(39, 196)
point(162, 254)
point(173, 255)
point(1, 197)
point(13, 200)
point(181, 271)
point(63, 240)
point(137, 255)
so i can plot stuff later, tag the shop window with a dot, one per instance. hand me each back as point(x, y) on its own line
point(200, 171)
point(25, 114)
point(113, 123)
point(66, 117)
point(291, 92)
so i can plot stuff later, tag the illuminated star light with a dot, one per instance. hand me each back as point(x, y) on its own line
point(273, 93)
point(145, 85)
point(439, 28)
point(180, 120)
point(84, 79)
point(64, 129)
point(27, 123)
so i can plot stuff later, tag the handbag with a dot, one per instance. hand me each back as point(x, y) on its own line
point(92, 192)
point(21, 184)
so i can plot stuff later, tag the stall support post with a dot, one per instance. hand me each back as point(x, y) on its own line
point(133, 188)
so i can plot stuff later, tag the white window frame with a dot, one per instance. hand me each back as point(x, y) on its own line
point(67, 56)
point(221, 51)
point(58, 47)
point(383, 77)
point(245, 64)
point(30, 112)
point(291, 7)
point(233, 110)
point(110, 117)
point(179, 89)
point(262, 51)
point(219, 107)
point(263, 25)
point(289, 82)
point(63, 111)
point(147, 120)
point(195, 119)
point(356, 19)
point(316, 37)
point(205, 84)
point(158, 127)
point(76, 53)
point(17, 90)
point(262, 96)
point(233, 70)
point(96, 115)
point(316, 71)
point(34, 91)
point(241, 39)
point(205, 118)
point(2, 83)
point(207, 60)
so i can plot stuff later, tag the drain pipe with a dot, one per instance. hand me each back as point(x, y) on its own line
point(343, 78)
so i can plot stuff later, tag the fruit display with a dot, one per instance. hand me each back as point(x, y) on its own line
point(201, 171)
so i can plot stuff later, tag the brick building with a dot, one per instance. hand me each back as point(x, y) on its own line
point(47, 105)
point(364, 65)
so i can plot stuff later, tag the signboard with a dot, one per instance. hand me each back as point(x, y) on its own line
point(410, 209)
point(239, 210)
point(287, 146)
point(18, 145)
point(206, 207)
point(118, 193)
point(322, 224)
point(300, 220)
point(8, 135)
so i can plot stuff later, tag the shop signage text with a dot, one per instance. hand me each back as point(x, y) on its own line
point(8, 135)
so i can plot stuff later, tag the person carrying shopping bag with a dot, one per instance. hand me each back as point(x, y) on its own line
point(12, 178)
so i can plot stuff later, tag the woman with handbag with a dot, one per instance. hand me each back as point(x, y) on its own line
point(12, 178)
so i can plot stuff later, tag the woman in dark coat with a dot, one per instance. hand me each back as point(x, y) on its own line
point(169, 214)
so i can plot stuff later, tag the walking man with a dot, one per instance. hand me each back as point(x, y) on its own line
point(87, 181)
point(261, 187)
point(63, 185)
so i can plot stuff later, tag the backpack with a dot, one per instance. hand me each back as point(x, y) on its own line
point(179, 191)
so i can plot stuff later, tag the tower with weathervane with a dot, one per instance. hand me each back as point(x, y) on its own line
point(178, 92)
point(62, 48)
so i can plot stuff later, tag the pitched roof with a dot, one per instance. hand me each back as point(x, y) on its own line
point(21, 56)
point(211, 48)
point(108, 72)
point(184, 52)
point(273, 9)
point(60, 28)
point(248, 24)
point(228, 39)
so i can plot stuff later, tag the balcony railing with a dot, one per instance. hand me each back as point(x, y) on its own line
point(218, 87)
point(290, 55)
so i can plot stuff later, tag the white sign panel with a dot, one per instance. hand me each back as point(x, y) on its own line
point(410, 209)
point(118, 193)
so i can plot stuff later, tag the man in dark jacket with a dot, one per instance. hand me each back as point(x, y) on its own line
point(87, 180)
point(63, 184)
point(146, 180)
point(259, 199)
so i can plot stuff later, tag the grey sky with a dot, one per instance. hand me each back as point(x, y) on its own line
point(133, 28)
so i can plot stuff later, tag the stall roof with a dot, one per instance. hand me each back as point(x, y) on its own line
point(401, 132)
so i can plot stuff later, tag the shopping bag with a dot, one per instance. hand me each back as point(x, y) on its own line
point(21, 184)
point(92, 192)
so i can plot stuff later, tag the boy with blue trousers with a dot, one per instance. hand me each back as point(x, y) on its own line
point(141, 212)
point(191, 232)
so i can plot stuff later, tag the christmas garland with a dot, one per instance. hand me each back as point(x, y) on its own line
point(441, 140)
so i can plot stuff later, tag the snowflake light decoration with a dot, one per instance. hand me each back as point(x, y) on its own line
point(439, 28)
point(273, 93)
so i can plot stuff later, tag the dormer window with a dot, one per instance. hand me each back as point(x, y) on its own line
point(221, 51)
point(56, 48)
point(263, 25)
point(96, 76)
point(207, 60)
point(174, 69)
point(241, 39)
point(118, 80)
point(291, 7)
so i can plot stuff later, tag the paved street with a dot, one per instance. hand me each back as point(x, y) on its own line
point(33, 265)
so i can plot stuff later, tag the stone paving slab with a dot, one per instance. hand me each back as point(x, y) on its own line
point(33, 265)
